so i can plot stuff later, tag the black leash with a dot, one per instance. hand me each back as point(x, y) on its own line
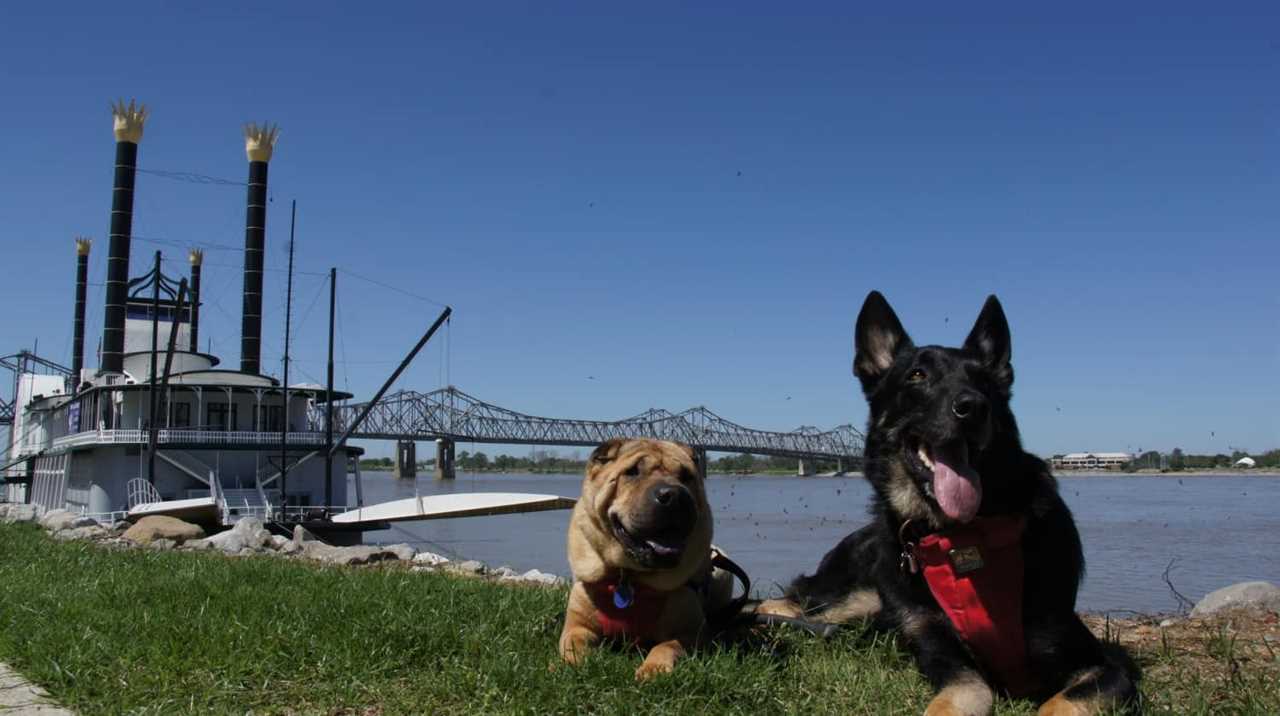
point(731, 612)
point(731, 615)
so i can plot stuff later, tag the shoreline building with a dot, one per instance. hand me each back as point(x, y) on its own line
point(1091, 460)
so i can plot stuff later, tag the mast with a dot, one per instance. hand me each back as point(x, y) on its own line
point(164, 380)
point(288, 314)
point(151, 388)
point(328, 403)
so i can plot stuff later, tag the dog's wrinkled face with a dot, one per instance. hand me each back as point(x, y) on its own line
point(934, 411)
point(649, 496)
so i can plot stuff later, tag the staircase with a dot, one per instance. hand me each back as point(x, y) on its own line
point(241, 503)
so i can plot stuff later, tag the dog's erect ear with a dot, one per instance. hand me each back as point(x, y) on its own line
point(877, 339)
point(607, 452)
point(990, 341)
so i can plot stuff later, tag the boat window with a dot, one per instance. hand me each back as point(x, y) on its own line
point(269, 418)
point(218, 419)
point(181, 415)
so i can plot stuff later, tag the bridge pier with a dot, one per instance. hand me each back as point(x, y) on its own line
point(444, 459)
point(700, 459)
point(840, 466)
point(803, 470)
point(406, 459)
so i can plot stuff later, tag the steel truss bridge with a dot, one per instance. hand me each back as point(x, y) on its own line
point(451, 414)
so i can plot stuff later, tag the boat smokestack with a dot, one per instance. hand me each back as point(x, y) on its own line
point(196, 257)
point(127, 122)
point(259, 141)
point(82, 287)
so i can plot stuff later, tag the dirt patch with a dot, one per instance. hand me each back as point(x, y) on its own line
point(1225, 661)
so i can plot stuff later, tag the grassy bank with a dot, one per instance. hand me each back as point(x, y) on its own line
point(140, 631)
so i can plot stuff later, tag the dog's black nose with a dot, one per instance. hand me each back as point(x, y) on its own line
point(672, 498)
point(969, 405)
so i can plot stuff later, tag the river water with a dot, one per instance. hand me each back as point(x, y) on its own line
point(1218, 530)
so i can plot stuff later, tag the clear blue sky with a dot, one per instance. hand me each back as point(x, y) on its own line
point(689, 205)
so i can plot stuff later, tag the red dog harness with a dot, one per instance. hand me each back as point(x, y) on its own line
point(975, 572)
point(625, 609)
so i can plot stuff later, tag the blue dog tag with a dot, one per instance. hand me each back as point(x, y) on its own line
point(623, 596)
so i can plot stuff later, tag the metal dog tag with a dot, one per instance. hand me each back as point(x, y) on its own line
point(965, 559)
point(907, 560)
point(623, 595)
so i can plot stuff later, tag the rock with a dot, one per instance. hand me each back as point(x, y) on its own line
point(290, 547)
point(403, 552)
point(278, 542)
point(302, 534)
point(539, 577)
point(1165, 624)
point(355, 555)
point(1257, 595)
point(58, 520)
point(121, 526)
point(162, 544)
point(19, 513)
point(86, 522)
point(429, 559)
point(90, 532)
point(471, 566)
point(504, 571)
point(248, 534)
point(156, 527)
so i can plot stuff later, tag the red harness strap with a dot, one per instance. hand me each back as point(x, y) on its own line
point(976, 574)
point(635, 621)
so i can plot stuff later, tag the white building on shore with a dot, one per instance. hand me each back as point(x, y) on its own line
point(1091, 460)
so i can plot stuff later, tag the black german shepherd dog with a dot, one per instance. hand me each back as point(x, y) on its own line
point(971, 555)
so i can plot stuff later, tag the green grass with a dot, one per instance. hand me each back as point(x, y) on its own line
point(138, 631)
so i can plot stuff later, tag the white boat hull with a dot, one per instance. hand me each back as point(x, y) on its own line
point(470, 504)
point(196, 509)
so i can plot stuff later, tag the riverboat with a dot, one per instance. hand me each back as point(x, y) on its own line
point(160, 427)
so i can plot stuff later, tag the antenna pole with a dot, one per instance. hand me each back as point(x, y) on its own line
point(288, 310)
point(151, 393)
point(164, 381)
point(328, 403)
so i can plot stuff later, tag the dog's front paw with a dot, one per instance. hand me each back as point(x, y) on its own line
point(780, 608)
point(575, 644)
point(652, 668)
point(1062, 706)
point(965, 696)
point(661, 660)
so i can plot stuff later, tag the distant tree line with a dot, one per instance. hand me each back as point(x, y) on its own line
point(1177, 460)
point(742, 464)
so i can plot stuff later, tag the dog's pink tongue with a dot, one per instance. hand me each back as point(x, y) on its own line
point(956, 485)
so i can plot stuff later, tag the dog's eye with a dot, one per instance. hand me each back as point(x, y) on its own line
point(916, 375)
point(633, 471)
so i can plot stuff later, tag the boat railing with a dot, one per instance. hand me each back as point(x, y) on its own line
point(141, 492)
point(262, 494)
point(215, 438)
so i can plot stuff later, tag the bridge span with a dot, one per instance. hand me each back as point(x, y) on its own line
point(448, 416)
